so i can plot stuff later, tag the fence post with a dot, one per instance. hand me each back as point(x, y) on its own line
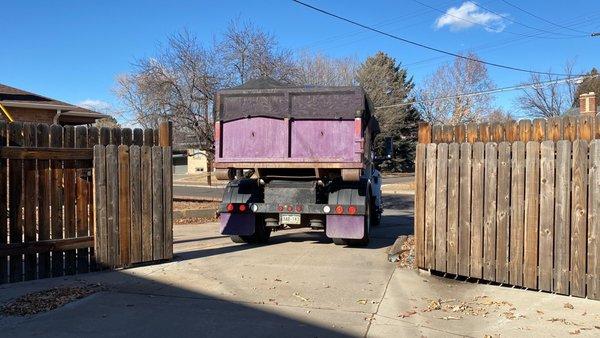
point(165, 134)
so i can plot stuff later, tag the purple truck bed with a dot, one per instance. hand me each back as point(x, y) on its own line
point(290, 128)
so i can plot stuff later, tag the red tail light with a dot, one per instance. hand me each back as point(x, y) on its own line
point(230, 207)
point(280, 208)
point(217, 131)
point(352, 210)
point(357, 127)
point(290, 208)
point(339, 209)
point(242, 207)
point(298, 208)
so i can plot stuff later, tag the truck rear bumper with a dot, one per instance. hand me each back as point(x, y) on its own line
point(336, 225)
point(287, 208)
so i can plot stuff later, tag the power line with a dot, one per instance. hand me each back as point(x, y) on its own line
point(568, 36)
point(545, 20)
point(426, 46)
point(492, 91)
point(506, 17)
point(506, 42)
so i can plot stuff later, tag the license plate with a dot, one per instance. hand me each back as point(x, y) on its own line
point(293, 219)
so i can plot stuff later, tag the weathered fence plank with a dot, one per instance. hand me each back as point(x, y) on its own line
point(453, 205)
point(517, 213)
point(56, 200)
point(503, 212)
point(124, 206)
point(593, 249)
point(430, 192)
point(555, 129)
point(15, 200)
point(420, 203)
point(69, 201)
point(43, 140)
point(158, 222)
point(440, 206)
point(93, 139)
point(579, 218)
point(532, 193)
point(477, 203)
point(126, 136)
point(489, 211)
point(146, 181)
point(100, 199)
point(546, 228)
point(112, 205)
point(472, 132)
point(136, 204)
point(464, 216)
point(168, 199)
point(512, 131)
point(30, 200)
point(539, 130)
point(3, 204)
point(562, 209)
point(82, 199)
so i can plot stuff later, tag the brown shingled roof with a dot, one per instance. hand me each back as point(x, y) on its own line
point(10, 94)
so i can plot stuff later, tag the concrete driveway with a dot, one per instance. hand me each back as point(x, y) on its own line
point(301, 285)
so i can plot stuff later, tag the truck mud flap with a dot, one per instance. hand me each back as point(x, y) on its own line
point(239, 191)
point(237, 224)
point(347, 226)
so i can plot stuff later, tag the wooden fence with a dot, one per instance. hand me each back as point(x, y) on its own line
point(584, 127)
point(133, 203)
point(46, 196)
point(525, 214)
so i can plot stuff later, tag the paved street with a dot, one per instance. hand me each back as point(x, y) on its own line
point(301, 285)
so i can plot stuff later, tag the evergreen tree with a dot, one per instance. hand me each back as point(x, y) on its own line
point(387, 83)
point(590, 84)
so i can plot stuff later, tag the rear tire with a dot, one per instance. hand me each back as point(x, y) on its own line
point(375, 214)
point(340, 241)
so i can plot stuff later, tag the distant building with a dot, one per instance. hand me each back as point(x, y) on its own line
point(23, 106)
point(197, 162)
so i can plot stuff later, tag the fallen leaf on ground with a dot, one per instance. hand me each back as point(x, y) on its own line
point(302, 298)
point(575, 332)
point(407, 314)
point(362, 301)
point(568, 306)
point(434, 305)
point(450, 318)
point(47, 300)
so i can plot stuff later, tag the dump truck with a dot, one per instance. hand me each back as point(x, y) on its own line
point(297, 157)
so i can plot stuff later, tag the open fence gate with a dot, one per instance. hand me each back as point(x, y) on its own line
point(516, 203)
point(80, 199)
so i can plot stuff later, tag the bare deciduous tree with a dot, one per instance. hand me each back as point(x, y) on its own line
point(548, 96)
point(181, 81)
point(439, 100)
point(321, 70)
point(247, 52)
point(179, 84)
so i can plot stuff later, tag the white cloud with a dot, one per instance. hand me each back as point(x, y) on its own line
point(469, 15)
point(97, 105)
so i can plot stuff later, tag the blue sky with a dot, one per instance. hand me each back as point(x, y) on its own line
point(73, 50)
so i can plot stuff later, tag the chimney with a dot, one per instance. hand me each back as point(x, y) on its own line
point(588, 104)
